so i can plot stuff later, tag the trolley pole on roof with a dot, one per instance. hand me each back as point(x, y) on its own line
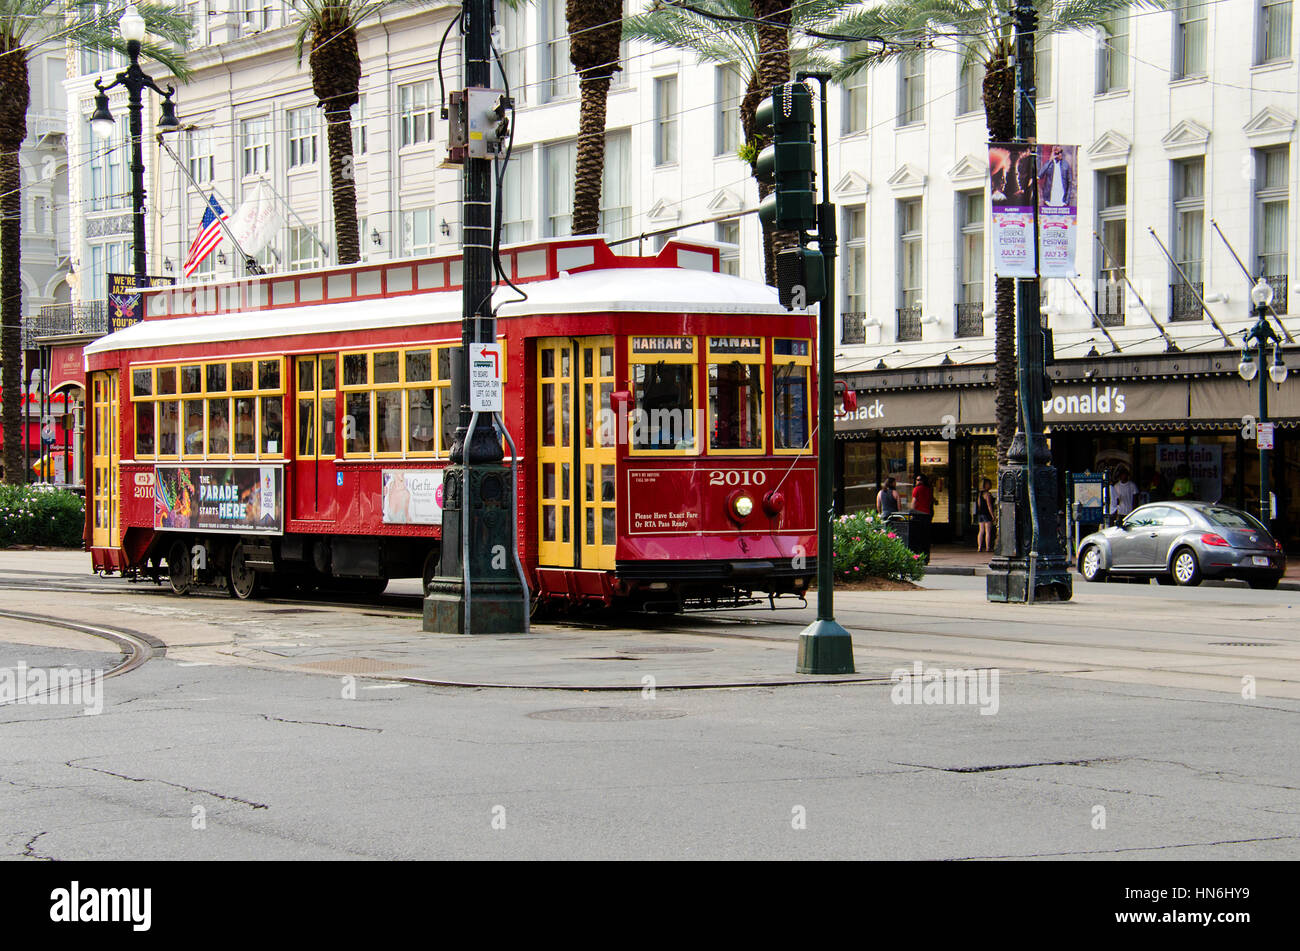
point(477, 588)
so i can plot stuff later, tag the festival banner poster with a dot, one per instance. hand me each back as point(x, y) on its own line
point(245, 499)
point(1058, 207)
point(125, 304)
point(412, 496)
point(1012, 181)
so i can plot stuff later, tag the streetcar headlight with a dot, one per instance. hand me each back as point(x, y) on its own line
point(743, 505)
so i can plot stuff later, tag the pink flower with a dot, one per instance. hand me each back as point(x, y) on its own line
point(915, 557)
point(856, 568)
point(892, 535)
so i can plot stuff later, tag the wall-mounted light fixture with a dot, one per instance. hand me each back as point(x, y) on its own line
point(221, 257)
point(445, 228)
point(375, 238)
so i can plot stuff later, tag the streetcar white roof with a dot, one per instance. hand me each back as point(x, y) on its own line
point(618, 290)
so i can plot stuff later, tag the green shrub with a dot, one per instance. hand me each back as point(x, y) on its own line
point(865, 548)
point(31, 515)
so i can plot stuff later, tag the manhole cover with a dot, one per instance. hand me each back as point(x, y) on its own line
point(1240, 644)
point(607, 714)
point(669, 650)
point(356, 665)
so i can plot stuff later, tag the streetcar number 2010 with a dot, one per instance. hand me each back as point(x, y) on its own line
point(736, 477)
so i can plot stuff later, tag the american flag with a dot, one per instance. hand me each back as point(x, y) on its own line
point(208, 238)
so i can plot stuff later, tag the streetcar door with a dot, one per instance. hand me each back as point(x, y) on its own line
point(576, 453)
point(104, 473)
point(315, 378)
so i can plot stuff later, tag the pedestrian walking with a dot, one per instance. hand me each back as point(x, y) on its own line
point(922, 514)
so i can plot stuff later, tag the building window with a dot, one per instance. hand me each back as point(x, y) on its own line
point(199, 158)
point(416, 103)
point(1190, 24)
point(38, 215)
point(729, 91)
point(513, 48)
point(665, 92)
point(304, 249)
point(559, 162)
point(1112, 222)
point(970, 87)
point(517, 199)
point(911, 89)
point(106, 167)
point(419, 232)
point(909, 269)
point(855, 265)
point(256, 15)
point(970, 265)
point(616, 186)
point(854, 118)
point(1272, 168)
point(1189, 233)
point(358, 122)
point(1043, 66)
point(256, 136)
point(561, 83)
point(727, 233)
point(302, 136)
point(108, 258)
point(1112, 54)
point(1274, 31)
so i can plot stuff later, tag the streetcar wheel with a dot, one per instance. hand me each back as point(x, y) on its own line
point(244, 581)
point(180, 572)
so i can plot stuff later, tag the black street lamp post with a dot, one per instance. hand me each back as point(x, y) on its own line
point(136, 81)
point(1257, 338)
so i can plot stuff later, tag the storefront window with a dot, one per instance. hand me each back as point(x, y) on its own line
point(860, 484)
point(934, 465)
point(896, 461)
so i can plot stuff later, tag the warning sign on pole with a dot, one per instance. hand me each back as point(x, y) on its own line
point(485, 378)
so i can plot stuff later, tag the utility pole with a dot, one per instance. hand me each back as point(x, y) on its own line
point(478, 588)
point(1030, 563)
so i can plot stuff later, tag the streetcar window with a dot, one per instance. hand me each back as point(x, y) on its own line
point(419, 420)
point(142, 383)
point(355, 370)
point(194, 427)
point(306, 375)
point(445, 357)
point(328, 370)
point(356, 428)
point(241, 377)
point(790, 407)
point(216, 378)
point(306, 427)
point(790, 348)
point(143, 428)
point(245, 426)
point(606, 362)
point(735, 406)
point(387, 367)
point(169, 420)
point(191, 380)
point(449, 416)
point(166, 381)
point(268, 374)
point(272, 423)
point(419, 366)
point(388, 421)
point(219, 425)
point(328, 446)
point(665, 406)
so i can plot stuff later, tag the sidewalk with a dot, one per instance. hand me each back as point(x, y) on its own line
point(952, 559)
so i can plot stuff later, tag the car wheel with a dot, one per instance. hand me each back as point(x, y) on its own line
point(1263, 584)
point(1090, 564)
point(1187, 570)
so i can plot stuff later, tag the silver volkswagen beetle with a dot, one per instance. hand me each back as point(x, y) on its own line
point(1184, 543)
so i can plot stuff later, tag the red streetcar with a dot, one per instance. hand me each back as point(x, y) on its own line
point(293, 429)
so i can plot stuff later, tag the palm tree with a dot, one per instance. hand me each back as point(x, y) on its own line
point(25, 27)
point(760, 52)
point(595, 31)
point(986, 36)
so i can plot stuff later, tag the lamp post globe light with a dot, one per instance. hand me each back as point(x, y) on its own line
point(136, 81)
point(1253, 346)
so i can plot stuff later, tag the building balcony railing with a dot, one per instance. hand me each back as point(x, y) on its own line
point(970, 319)
point(1110, 303)
point(1279, 284)
point(86, 317)
point(855, 328)
point(909, 323)
point(1185, 301)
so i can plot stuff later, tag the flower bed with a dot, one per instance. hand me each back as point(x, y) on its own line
point(37, 515)
point(865, 548)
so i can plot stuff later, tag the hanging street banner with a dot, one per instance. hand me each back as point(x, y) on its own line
point(1058, 209)
point(1012, 180)
point(125, 305)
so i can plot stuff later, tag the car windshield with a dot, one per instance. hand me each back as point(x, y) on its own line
point(1231, 518)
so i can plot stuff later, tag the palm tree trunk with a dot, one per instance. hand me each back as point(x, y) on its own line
point(13, 129)
point(336, 81)
point(999, 113)
point(343, 186)
point(590, 167)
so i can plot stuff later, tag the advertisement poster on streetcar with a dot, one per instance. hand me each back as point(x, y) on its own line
point(1011, 182)
point(125, 303)
point(412, 496)
point(1058, 209)
point(246, 499)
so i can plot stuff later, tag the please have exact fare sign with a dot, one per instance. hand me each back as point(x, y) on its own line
point(485, 378)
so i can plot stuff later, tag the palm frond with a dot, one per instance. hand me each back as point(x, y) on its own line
point(168, 33)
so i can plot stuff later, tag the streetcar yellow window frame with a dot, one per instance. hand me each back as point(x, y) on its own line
point(745, 350)
point(780, 362)
point(649, 350)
